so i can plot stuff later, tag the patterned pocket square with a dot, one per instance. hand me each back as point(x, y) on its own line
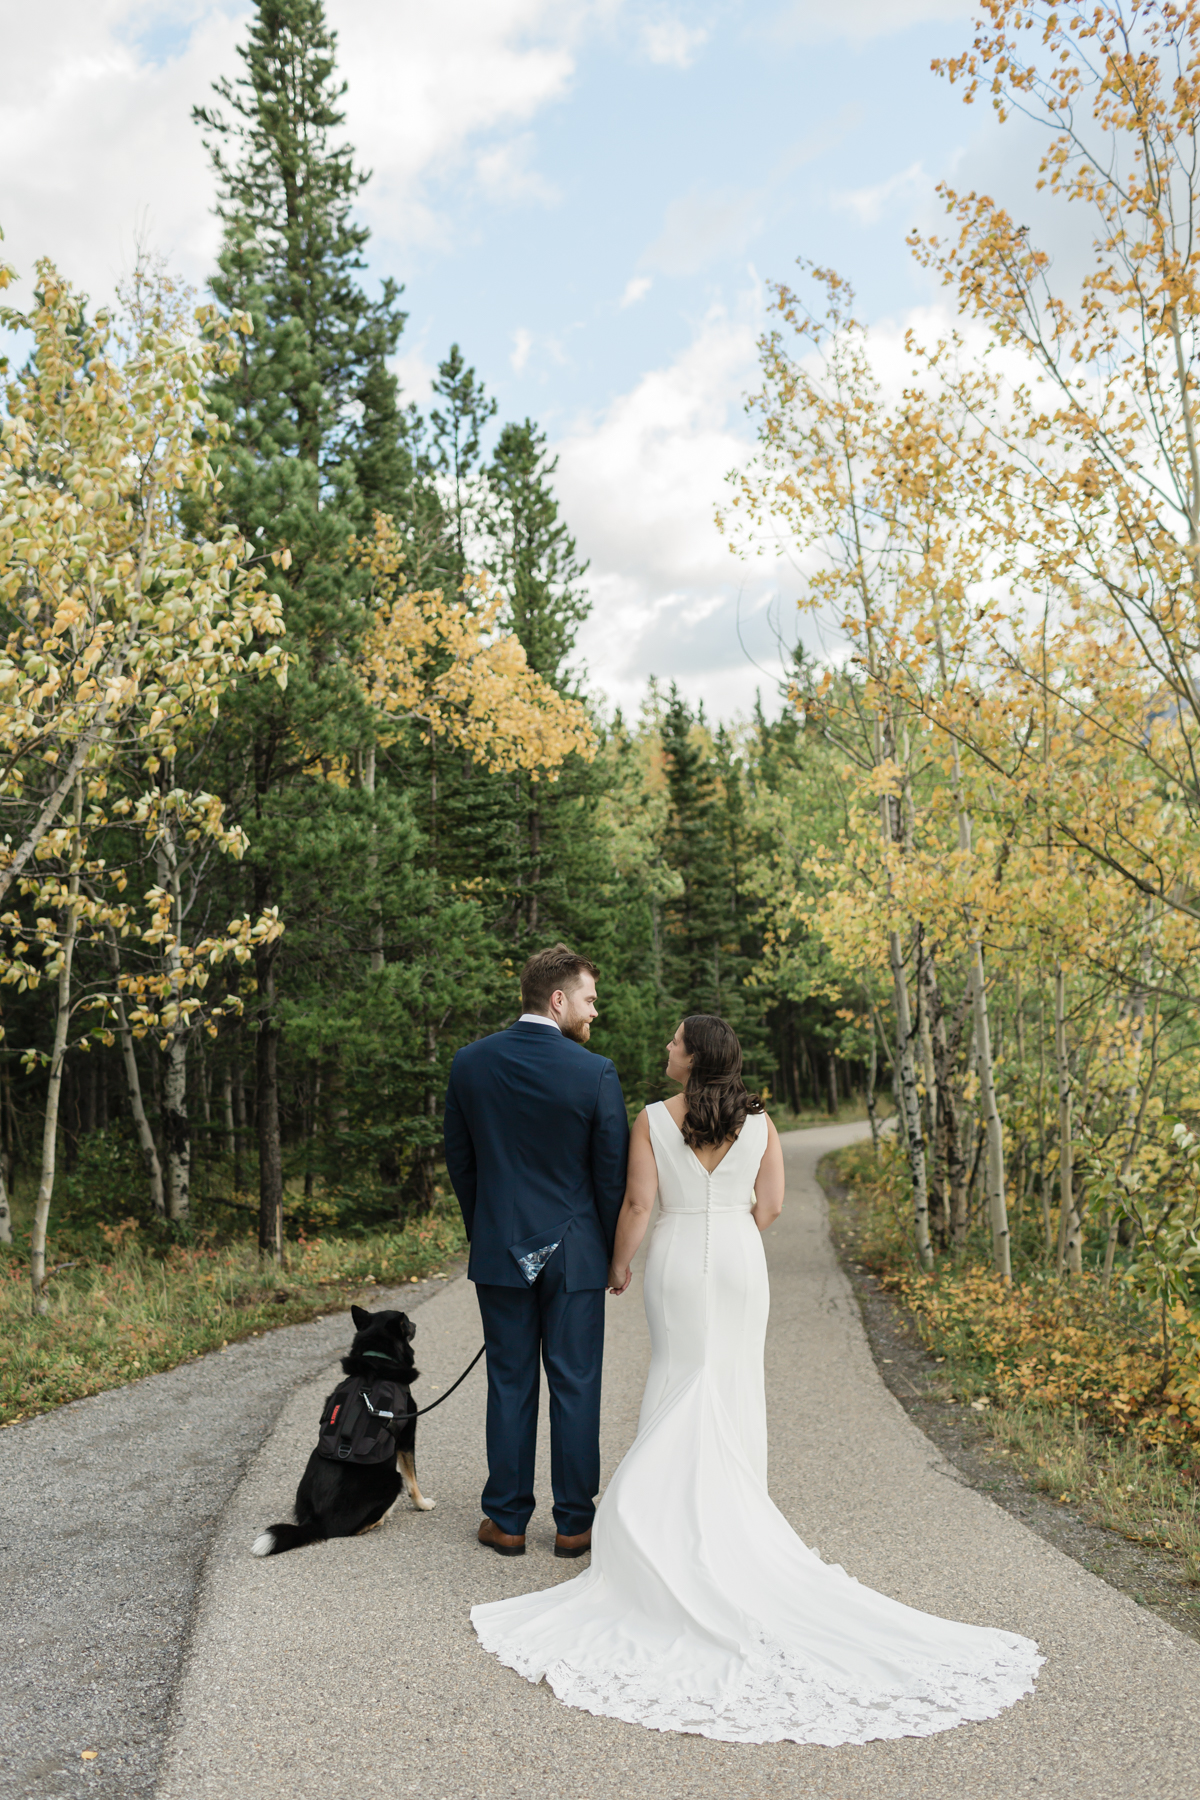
point(533, 1262)
point(533, 1253)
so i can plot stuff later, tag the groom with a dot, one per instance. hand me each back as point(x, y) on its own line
point(536, 1145)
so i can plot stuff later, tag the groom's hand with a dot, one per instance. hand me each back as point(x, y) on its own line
point(618, 1279)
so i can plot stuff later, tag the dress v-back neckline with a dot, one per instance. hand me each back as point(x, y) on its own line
point(732, 1146)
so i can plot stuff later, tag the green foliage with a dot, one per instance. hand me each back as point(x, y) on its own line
point(129, 1306)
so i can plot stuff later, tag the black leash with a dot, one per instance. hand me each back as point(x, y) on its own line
point(424, 1409)
point(450, 1390)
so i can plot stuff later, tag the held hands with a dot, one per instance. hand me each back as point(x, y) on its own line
point(619, 1279)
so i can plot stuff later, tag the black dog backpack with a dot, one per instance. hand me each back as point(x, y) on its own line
point(361, 1419)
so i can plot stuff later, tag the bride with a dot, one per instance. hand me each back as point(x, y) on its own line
point(702, 1611)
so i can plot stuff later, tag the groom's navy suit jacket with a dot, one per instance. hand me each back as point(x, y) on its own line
point(536, 1146)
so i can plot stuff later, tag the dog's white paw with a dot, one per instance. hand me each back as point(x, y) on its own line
point(424, 1504)
point(263, 1544)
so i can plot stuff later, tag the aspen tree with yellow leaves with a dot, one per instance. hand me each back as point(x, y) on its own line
point(122, 629)
point(1007, 539)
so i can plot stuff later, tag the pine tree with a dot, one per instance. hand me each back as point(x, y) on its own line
point(292, 253)
point(291, 257)
point(533, 554)
point(456, 443)
point(699, 921)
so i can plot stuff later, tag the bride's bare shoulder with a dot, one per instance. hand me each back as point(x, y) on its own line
point(677, 1107)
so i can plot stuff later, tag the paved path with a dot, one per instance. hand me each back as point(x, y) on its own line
point(350, 1671)
point(107, 1511)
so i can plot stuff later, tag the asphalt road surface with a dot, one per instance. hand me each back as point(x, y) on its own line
point(349, 1671)
point(107, 1511)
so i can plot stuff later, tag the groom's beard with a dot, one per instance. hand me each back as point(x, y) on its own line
point(578, 1029)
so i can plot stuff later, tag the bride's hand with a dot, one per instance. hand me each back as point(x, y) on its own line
point(618, 1280)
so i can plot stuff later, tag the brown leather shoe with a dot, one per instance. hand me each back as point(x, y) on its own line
point(502, 1542)
point(579, 1545)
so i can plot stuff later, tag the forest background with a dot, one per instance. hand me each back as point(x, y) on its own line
point(298, 765)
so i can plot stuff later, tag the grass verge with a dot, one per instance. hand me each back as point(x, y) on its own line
point(137, 1307)
point(1068, 1384)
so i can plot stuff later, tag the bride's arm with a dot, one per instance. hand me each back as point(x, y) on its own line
point(641, 1185)
point(768, 1188)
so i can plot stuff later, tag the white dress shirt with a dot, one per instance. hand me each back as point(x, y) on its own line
point(537, 1019)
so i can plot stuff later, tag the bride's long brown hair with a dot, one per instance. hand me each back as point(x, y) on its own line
point(716, 1097)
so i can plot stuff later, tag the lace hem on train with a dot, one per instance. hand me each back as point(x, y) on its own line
point(779, 1696)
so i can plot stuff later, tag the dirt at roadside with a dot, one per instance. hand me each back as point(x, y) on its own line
point(1150, 1577)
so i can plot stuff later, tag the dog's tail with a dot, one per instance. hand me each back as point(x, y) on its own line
point(277, 1538)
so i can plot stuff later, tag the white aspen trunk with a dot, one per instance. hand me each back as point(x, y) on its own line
point(910, 1101)
point(1070, 1245)
point(84, 745)
point(928, 1070)
point(5, 1210)
point(176, 1130)
point(177, 1143)
point(997, 1199)
point(62, 1023)
point(892, 832)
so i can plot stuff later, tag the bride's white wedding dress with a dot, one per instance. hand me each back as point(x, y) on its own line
point(702, 1611)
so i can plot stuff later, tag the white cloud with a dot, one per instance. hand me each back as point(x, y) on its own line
point(639, 485)
point(505, 174)
point(522, 345)
point(636, 288)
point(427, 82)
point(672, 42)
point(97, 140)
point(414, 372)
point(702, 225)
point(869, 204)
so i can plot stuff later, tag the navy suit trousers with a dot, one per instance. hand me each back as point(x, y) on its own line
point(522, 1326)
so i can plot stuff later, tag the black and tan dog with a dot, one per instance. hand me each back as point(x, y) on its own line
point(339, 1499)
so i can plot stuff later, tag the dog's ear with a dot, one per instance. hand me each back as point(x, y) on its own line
point(361, 1317)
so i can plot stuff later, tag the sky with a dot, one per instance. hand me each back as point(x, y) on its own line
point(589, 196)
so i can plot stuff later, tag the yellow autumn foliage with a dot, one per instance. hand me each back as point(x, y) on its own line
point(450, 666)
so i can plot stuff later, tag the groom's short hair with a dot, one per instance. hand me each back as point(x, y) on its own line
point(549, 970)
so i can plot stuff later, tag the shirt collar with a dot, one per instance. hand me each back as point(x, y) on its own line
point(537, 1019)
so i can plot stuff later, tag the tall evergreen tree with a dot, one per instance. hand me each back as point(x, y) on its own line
point(292, 253)
point(291, 257)
point(533, 553)
point(457, 437)
point(533, 557)
point(704, 958)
